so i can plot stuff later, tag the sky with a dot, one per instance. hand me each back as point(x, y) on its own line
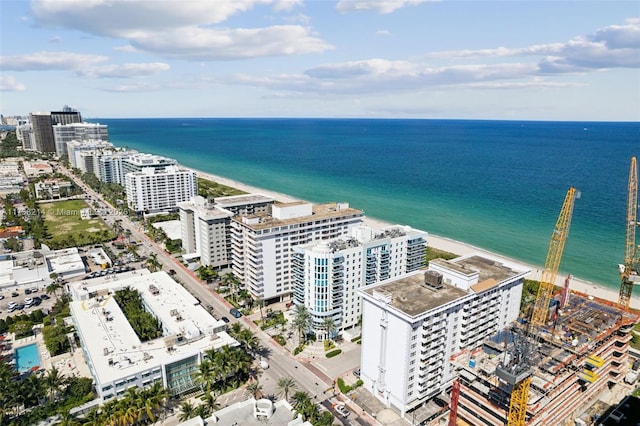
point(506, 60)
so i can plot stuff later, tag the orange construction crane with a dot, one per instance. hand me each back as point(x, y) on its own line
point(629, 271)
point(516, 370)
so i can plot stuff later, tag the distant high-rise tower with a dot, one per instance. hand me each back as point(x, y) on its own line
point(43, 123)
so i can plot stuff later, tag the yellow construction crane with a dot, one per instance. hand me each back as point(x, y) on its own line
point(516, 371)
point(629, 271)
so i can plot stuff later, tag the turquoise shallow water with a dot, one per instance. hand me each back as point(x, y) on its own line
point(494, 184)
point(27, 357)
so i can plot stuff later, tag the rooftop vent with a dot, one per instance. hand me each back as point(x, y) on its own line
point(433, 280)
point(154, 290)
point(173, 312)
point(146, 356)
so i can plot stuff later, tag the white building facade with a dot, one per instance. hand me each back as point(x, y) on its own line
point(157, 190)
point(327, 274)
point(65, 133)
point(261, 244)
point(205, 225)
point(412, 325)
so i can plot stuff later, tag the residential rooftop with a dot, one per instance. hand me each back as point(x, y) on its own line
point(113, 348)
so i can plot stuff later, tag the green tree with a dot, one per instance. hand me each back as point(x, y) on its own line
point(285, 385)
point(187, 411)
point(330, 327)
point(301, 321)
point(254, 389)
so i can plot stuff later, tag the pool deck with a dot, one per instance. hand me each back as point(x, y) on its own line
point(69, 364)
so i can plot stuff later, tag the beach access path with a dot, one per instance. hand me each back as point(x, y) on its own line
point(445, 244)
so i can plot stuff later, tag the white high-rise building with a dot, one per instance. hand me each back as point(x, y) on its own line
point(327, 274)
point(205, 225)
point(65, 133)
point(412, 325)
point(154, 190)
point(111, 166)
point(139, 161)
point(262, 243)
point(75, 147)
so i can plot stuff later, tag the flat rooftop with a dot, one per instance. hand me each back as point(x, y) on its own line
point(241, 414)
point(487, 268)
point(115, 351)
point(411, 296)
point(243, 199)
point(320, 212)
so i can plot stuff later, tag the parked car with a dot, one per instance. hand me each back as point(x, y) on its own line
point(236, 313)
point(1, 296)
point(28, 301)
point(264, 364)
point(15, 294)
point(27, 291)
point(225, 319)
point(342, 409)
point(12, 305)
point(356, 372)
point(45, 297)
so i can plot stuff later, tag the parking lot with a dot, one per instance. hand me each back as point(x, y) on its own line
point(17, 301)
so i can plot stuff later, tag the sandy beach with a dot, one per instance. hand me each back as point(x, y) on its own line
point(446, 244)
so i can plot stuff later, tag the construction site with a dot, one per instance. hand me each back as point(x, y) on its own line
point(554, 364)
point(581, 354)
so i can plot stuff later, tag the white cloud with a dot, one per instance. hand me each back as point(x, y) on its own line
point(383, 32)
point(44, 61)
point(55, 39)
point(9, 83)
point(183, 29)
point(126, 48)
point(614, 46)
point(207, 44)
point(123, 71)
point(380, 6)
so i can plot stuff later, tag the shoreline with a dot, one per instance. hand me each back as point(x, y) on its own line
point(443, 243)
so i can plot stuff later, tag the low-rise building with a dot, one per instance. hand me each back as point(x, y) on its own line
point(52, 189)
point(116, 356)
point(35, 169)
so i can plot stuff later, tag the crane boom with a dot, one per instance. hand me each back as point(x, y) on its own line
point(517, 370)
point(551, 265)
point(630, 262)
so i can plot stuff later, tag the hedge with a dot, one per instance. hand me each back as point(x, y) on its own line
point(333, 353)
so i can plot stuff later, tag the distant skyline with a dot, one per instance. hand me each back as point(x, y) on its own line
point(505, 60)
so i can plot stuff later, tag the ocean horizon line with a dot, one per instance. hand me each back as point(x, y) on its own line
point(496, 120)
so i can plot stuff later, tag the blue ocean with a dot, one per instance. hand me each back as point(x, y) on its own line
point(498, 185)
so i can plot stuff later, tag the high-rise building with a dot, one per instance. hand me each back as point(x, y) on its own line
point(43, 131)
point(43, 123)
point(205, 225)
point(413, 325)
point(139, 161)
point(327, 274)
point(65, 133)
point(111, 168)
point(97, 147)
point(262, 243)
point(154, 190)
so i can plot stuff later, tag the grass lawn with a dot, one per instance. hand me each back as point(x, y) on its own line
point(210, 189)
point(66, 227)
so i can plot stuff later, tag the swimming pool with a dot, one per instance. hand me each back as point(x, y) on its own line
point(27, 357)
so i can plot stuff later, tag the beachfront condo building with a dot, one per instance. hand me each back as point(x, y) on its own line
point(42, 125)
point(414, 324)
point(327, 274)
point(110, 165)
point(262, 243)
point(205, 225)
point(65, 133)
point(118, 359)
point(75, 148)
point(154, 190)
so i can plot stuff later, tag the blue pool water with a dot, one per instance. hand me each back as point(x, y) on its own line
point(27, 357)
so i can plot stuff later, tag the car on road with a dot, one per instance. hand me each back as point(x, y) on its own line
point(15, 294)
point(356, 372)
point(264, 364)
point(236, 313)
point(225, 319)
point(342, 409)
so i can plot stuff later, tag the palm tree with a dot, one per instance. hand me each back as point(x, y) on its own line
point(248, 339)
point(260, 302)
point(254, 389)
point(53, 381)
point(187, 411)
point(153, 263)
point(232, 282)
point(301, 402)
point(302, 320)
point(206, 374)
point(330, 327)
point(210, 402)
point(285, 385)
point(324, 419)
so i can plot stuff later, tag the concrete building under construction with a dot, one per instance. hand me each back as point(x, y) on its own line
point(577, 355)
